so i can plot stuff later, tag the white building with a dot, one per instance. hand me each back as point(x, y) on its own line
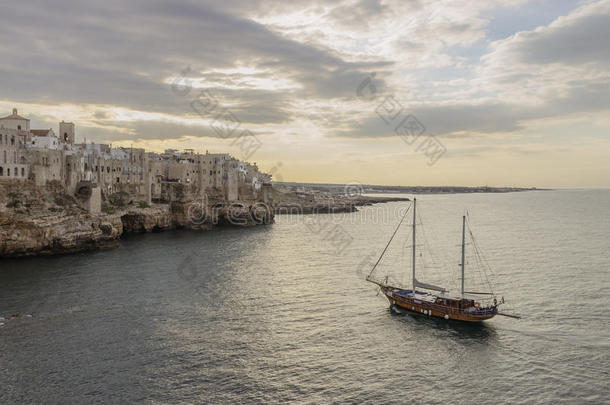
point(42, 156)
point(14, 132)
point(44, 139)
point(16, 122)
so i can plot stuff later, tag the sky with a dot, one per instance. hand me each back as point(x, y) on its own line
point(393, 92)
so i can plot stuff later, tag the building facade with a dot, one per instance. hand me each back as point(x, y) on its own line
point(14, 135)
point(42, 156)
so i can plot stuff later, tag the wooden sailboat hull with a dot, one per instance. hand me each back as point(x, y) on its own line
point(461, 308)
point(431, 309)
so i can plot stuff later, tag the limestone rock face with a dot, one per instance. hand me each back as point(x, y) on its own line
point(38, 220)
point(243, 214)
point(28, 235)
point(203, 211)
point(290, 201)
point(147, 220)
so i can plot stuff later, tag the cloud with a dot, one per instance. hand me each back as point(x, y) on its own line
point(484, 117)
point(571, 40)
point(546, 63)
point(359, 14)
point(291, 69)
point(122, 53)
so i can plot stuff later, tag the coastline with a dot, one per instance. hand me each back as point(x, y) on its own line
point(41, 221)
point(32, 230)
point(297, 205)
point(45, 234)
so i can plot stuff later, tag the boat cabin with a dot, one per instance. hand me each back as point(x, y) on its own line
point(462, 303)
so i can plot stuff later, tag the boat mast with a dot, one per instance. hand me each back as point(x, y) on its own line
point(368, 278)
point(414, 250)
point(463, 250)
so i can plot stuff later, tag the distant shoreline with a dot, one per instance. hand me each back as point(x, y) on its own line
point(45, 232)
point(376, 189)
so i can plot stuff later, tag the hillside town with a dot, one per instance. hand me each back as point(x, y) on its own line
point(59, 196)
point(97, 171)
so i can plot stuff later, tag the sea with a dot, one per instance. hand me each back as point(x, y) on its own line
point(283, 314)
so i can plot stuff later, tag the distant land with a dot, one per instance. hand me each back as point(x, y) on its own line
point(376, 189)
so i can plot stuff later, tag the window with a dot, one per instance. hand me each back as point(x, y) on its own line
point(22, 172)
point(19, 127)
point(8, 172)
point(1, 171)
point(14, 157)
point(12, 140)
point(4, 156)
point(16, 172)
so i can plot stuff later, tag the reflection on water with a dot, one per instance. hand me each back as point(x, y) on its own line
point(276, 314)
point(481, 333)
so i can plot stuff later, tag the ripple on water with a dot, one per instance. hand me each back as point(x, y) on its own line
point(279, 315)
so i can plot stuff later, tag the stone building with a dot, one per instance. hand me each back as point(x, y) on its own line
point(42, 156)
point(45, 165)
point(14, 135)
point(16, 122)
point(66, 132)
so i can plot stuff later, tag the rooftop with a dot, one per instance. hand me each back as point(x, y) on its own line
point(40, 132)
point(14, 116)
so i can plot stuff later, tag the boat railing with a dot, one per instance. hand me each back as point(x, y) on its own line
point(453, 310)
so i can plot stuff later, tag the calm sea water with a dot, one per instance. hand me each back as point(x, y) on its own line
point(282, 313)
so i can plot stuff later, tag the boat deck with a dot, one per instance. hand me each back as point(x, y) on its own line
point(419, 295)
point(425, 301)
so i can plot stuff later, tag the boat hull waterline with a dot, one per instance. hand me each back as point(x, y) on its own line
point(418, 305)
point(465, 308)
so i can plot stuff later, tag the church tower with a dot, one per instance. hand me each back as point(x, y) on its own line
point(66, 132)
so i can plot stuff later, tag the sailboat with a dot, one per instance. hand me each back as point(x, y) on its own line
point(433, 301)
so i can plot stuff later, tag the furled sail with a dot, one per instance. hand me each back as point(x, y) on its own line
point(428, 286)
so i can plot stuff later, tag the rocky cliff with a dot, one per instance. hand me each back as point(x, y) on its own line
point(44, 221)
point(289, 201)
point(54, 233)
point(152, 219)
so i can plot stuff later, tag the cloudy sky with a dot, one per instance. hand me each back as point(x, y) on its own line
point(405, 92)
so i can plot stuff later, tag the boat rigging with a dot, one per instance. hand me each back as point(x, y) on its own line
point(469, 306)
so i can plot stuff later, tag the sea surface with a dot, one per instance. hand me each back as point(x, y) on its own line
point(282, 313)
